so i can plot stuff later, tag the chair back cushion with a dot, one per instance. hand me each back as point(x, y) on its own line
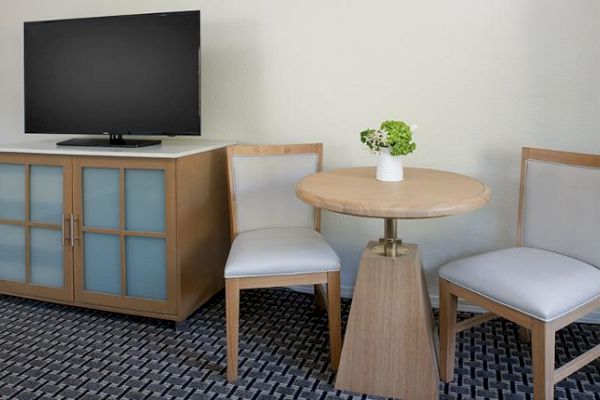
point(562, 209)
point(265, 190)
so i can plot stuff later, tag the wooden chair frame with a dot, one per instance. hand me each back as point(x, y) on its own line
point(542, 333)
point(331, 300)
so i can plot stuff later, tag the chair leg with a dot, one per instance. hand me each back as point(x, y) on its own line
point(334, 315)
point(232, 306)
point(448, 304)
point(524, 334)
point(320, 303)
point(542, 349)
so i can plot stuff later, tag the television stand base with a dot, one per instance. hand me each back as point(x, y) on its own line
point(113, 141)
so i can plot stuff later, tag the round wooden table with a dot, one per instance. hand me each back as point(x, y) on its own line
point(389, 342)
point(424, 193)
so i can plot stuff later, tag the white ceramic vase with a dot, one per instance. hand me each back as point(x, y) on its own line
point(389, 167)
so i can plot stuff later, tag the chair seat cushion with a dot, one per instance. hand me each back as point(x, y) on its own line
point(540, 283)
point(280, 251)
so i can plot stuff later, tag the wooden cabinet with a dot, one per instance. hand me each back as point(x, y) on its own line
point(139, 235)
point(125, 252)
point(35, 205)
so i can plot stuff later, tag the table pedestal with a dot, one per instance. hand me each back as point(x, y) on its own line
point(389, 245)
point(389, 348)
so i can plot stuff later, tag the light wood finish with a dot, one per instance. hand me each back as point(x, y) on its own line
point(380, 355)
point(577, 363)
point(28, 218)
point(197, 234)
point(448, 330)
point(31, 224)
point(474, 321)
point(122, 246)
point(318, 147)
point(27, 288)
point(108, 231)
point(126, 311)
point(261, 282)
point(320, 293)
point(231, 194)
point(524, 335)
point(424, 193)
point(320, 297)
point(542, 360)
point(520, 216)
point(383, 354)
point(232, 316)
point(542, 333)
point(202, 228)
point(276, 149)
point(234, 285)
point(335, 314)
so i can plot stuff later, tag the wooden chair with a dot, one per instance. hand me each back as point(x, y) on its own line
point(550, 279)
point(276, 239)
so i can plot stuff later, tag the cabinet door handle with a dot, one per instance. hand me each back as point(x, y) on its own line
point(73, 237)
point(63, 229)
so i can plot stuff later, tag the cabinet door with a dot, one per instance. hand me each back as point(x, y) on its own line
point(125, 248)
point(36, 258)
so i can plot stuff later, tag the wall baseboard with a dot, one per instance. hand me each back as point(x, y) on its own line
point(346, 292)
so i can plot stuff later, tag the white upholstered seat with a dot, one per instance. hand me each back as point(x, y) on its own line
point(280, 251)
point(540, 283)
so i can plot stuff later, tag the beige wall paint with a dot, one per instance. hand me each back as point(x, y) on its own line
point(480, 78)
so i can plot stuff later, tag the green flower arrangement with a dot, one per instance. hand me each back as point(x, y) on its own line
point(395, 135)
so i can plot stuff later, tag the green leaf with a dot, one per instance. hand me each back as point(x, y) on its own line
point(399, 137)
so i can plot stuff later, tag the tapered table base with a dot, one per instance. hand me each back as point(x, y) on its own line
point(389, 348)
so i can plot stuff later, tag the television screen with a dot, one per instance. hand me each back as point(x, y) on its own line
point(132, 74)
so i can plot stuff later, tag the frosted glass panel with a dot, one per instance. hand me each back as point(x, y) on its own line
point(102, 263)
point(12, 253)
point(101, 197)
point(46, 257)
point(146, 268)
point(12, 192)
point(46, 191)
point(145, 200)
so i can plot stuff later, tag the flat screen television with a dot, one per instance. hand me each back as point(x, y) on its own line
point(115, 76)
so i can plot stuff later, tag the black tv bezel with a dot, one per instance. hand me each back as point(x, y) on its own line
point(119, 132)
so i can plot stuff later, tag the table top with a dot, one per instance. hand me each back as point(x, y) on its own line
point(424, 193)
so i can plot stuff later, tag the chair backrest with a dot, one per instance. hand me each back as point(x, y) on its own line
point(262, 186)
point(559, 207)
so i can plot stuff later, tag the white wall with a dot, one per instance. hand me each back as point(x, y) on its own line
point(480, 78)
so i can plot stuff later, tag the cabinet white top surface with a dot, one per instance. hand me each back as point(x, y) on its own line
point(169, 148)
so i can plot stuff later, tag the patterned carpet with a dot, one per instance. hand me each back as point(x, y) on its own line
point(57, 352)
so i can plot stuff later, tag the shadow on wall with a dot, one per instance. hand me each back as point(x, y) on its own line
point(504, 166)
